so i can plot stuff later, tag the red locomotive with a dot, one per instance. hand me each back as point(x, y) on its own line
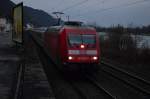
point(72, 45)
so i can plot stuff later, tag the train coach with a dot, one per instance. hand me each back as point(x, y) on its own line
point(72, 45)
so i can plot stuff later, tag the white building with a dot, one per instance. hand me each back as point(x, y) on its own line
point(4, 25)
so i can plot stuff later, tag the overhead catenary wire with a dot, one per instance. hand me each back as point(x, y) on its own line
point(75, 5)
point(81, 15)
point(81, 3)
point(119, 6)
point(123, 5)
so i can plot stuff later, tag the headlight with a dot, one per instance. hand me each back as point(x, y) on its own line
point(82, 46)
point(95, 58)
point(70, 57)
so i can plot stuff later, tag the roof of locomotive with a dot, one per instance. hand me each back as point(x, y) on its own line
point(58, 28)
point(71, 25)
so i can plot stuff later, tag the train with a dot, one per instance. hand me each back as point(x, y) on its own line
point(72, 45)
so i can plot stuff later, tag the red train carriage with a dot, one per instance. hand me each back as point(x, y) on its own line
point(71, 44)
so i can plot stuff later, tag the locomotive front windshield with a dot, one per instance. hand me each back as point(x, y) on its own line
point(77, 39)
point(88, 39)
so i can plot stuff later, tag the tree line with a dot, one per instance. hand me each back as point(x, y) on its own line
point(143, 30)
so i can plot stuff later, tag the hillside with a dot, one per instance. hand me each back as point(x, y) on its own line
point(38, 17)
point(34, 16)
point(6, 8)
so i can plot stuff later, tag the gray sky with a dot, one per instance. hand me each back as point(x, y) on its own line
point(101, 12)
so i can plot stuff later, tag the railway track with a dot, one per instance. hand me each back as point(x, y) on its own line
point(126, 77)
point(88, 86)
point(108, 62)
point(97, 84)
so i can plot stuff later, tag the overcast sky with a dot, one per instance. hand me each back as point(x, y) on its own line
point(101, 12)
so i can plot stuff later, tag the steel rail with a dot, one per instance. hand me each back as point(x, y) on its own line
point(97, 84)
point(123, 71)
point(132, 84)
